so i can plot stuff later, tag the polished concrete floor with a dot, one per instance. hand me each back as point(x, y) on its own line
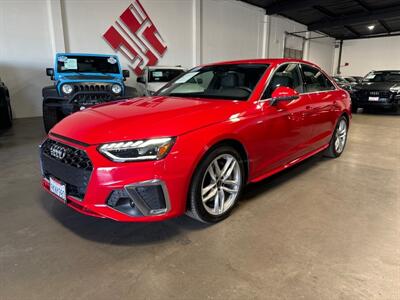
point(326, 229)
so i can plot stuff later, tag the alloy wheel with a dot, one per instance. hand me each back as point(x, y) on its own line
point(341, 136)
point(221, 184)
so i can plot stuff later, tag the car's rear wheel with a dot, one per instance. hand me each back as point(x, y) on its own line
point(6, 116)
point(216, 185)
point(339, 139)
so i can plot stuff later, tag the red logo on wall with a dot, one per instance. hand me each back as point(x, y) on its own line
point(135, 35)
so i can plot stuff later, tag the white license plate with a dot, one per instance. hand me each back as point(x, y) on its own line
point(58, 189)
point(373, 99)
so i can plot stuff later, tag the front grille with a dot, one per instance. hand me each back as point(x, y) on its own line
point(91, 87)
point(364, 94)
point(69, 165)
point(74, 157)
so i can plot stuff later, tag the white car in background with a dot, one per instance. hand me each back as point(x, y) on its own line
point(155, 77)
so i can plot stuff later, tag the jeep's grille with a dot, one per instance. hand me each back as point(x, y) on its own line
point(87, 87)
point(73, 157)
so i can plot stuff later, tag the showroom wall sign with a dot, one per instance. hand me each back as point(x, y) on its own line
point(136, 37)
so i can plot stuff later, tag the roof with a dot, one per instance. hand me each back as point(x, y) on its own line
point(261, 61)
point(341, 19)
point(86, 54)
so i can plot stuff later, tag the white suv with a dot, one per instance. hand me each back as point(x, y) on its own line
point(155, 77)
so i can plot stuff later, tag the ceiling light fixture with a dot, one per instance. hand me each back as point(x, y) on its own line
point(371, 27)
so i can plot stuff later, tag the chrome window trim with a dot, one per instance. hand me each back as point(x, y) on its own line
point(300, 94)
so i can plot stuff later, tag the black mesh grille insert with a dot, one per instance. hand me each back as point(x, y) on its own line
point(74, 169)
point(153, 196)
point(73, 157)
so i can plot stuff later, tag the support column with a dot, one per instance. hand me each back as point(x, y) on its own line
point(54, 9)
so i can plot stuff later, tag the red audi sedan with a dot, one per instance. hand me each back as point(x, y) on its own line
point(194, 145)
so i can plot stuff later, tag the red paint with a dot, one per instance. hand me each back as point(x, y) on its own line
point(274, 137)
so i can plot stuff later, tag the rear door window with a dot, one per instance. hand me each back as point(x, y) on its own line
point(315, 80)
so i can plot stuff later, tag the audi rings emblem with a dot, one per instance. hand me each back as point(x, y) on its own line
point(58, 151)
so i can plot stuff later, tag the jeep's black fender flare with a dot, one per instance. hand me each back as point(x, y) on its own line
point(130, 92)
point(50, 92)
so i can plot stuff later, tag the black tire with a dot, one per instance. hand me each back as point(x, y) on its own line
point(354, 108)
point(6, 117)
point(332, 151)
point(196, 208)
point(50, 117)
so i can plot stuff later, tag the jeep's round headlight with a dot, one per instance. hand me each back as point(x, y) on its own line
point(116, 88)
point(152, 149)
point(67, 89)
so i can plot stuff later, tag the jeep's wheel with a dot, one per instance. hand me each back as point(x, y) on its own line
point(216, 185)
point(50, 117)
point(6, 116)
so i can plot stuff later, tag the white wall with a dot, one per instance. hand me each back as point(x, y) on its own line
point(364, 55)
point(196, 31)
point(321, 52)
point(277, 26)
point(231, 30)
point(25, 50)
point(318, 51)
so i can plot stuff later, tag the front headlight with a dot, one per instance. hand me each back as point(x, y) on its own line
point(395, 89)
point(152, 149)
point(67, 89)
point(116, 88)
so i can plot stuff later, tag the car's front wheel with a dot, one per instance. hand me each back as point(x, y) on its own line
point(216, 185)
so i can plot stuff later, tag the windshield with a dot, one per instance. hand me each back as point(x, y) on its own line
point(233, 82)
point(87, 64)
point(382, 76)
point(164, 75)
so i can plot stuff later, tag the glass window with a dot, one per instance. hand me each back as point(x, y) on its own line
point(287, 75)
point(230, 81)
point(315, 80)
point(87, 64)
point(382, 76)
point(164, 75)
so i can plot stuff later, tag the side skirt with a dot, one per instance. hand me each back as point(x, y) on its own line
point(290, 164)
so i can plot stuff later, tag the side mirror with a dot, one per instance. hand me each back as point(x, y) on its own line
point(283, 93)
point(50, 72)
point(125, 73)
point(140, 79)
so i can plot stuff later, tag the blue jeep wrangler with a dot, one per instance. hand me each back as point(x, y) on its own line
point(80, 81)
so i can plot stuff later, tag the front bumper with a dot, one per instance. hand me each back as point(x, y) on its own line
point(127, 192)
point(388, 100)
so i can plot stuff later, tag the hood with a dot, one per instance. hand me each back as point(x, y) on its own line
point(147, 117)
point(94, 77)
point(376, 86)
point(88, 77)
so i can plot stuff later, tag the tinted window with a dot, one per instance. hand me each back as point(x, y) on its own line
point(287, 75)
point(87, 64)
point(231, 81)
point(163, 75)
point(315, 80)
